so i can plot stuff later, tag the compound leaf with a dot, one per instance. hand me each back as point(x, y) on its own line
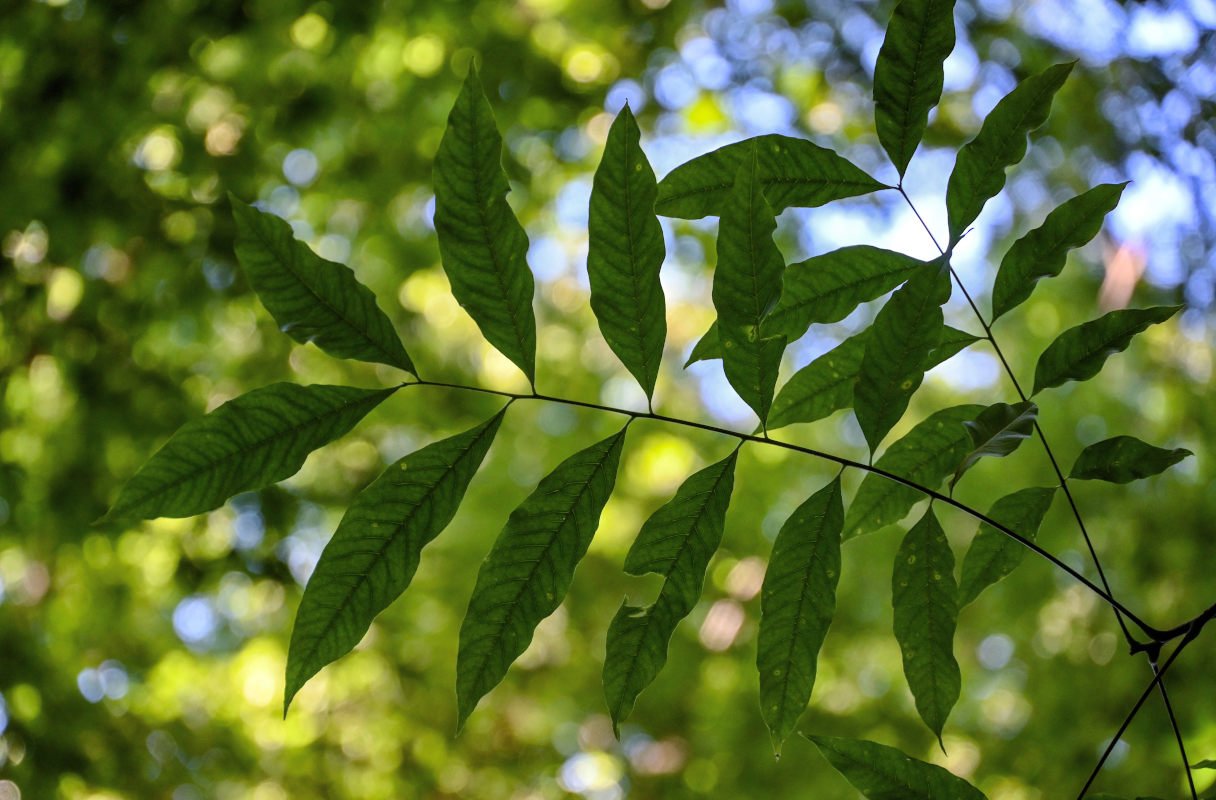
point(528, 571)
point(481, 244)
point(624, 254)
point(993, 555)
point(979, 170)
point(797, 602)
point(676, 542)
point(925, 599)
point(997, 431)
point(1078, 353)
point(904, 333)
point(793, 172)
point(313, 300)
point(908, 75)
point(884, 773)
point(925, 455)
point(1124, 459)
point(248, 443)
point(375, 550)
point(1041, 253)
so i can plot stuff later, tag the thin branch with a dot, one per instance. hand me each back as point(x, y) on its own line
point(1169, 710)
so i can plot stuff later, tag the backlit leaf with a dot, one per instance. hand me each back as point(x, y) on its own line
point(797, 603)
point(904, 333)
point(1078, 353)
point(481, 243)
point(997, 431)
point(1042, 252)
point(528, 571)
point(248, 443)
point(926, 455)
point(1124, 459)
point(792, 172)
point(676, 542)
point(624, 253)
point(884, 773)
point(953, 341)
point(993, 555)
point(313, 300)
point(908, 75)
point(925, 599)
point(979, 170)
point(374, 553)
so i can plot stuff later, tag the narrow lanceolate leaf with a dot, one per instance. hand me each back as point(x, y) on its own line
point(797, 602)
point(624, 253)
point(481, 243)
point(313, 300)
point(676, 542)
point(374, 553)
point(1078, 353)
point(884, 773)
point(747, 284)
point(1042, 252)
point(908, 75)
point(793, 172)
point(997, 431)
point(926, 455)
point(529, 569)
point(1124, 459)
point(925, 598)
point(904, 333)
point(993, 555)
point(979, 170)
point(247, 443)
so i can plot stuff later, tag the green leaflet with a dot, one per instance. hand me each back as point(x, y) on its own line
point(793, 172)
point(1124, 459)
point(904, 333)
point(747, 284)
point(624, 253)
point(1078, 353)
point(925, 599)
point(248, 443)
point(1207, 764)
point(528, 571)
point(884, 773)
point(481, 243)
point(797, 603)
point(908, 75)
point(993, 555)
point(374, 553)
point(313, 300)
point(926, 455)
point(979, 170)
point(952, 343)
point(997, 431)
point(676, 542)
point(1041, 253)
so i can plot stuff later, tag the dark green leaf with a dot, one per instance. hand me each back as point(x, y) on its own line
point(247, 443)
point(1208, 764)
point(926, 455)
point(528, 571)
point(904, 333)
point(793, 172)
point(979, 170)
point(884, 773)
point(925, 599)
point(313, 300)
point(747, 283)
point(676, 542)
point(1124, 459)
point(374, 553)
point(624, 253)
point(1042, 252)
point(992, 554)
point(482, 245)
point(997, 432)
point(797, 602)
point(707, 347)
point(908, 76)
point(821, 387)
point(953, 341)
point(1078, 353)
